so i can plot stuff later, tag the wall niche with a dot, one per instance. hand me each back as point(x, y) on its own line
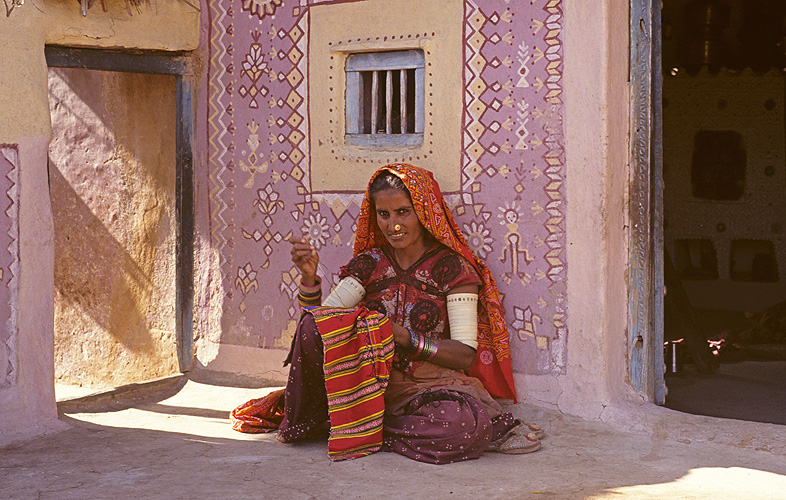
point(753, 260)
point(718, 165)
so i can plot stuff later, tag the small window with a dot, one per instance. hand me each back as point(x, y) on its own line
point(385, 99)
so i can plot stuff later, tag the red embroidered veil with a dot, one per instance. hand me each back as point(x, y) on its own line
point(492, 362)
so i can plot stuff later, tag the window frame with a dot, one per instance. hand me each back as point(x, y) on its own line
point(383, 63)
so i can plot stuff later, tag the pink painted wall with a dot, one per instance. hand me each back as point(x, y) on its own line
point(256, 191)
point(9, 263)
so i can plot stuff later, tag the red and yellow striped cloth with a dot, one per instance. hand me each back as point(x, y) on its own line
point(259, 415)
point(358, 356)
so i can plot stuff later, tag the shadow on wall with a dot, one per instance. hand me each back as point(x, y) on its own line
point(112, 177)
point(109, 108)
point(94, 273)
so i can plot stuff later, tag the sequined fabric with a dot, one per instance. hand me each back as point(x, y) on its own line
point(436, 415)
point(340, 363)
point(305, 398)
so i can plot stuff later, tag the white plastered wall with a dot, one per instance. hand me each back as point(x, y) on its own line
point(597, 123)
point(596, 117)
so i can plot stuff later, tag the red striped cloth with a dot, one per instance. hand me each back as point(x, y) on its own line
point(259, 415)
point(358, 356)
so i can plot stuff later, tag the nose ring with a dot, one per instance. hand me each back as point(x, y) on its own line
point(397, 227)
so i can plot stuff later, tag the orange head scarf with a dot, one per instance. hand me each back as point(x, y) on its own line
point(492, 362)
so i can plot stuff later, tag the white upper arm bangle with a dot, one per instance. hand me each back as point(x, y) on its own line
point(348, 293)
point(463, 318)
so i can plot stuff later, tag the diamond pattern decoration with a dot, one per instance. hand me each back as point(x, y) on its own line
point(294, 99)
point(295, 120)
point(295, 77)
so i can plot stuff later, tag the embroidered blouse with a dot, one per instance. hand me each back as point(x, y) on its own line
point(415, 297)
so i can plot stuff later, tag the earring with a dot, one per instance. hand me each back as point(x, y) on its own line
point(397, 227)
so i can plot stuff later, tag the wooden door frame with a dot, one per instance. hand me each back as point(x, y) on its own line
point(645, 258)
point(178, 65)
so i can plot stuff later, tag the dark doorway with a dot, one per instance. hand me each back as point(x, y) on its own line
point(724, 216)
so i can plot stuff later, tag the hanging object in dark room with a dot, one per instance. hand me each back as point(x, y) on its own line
point(704, 44)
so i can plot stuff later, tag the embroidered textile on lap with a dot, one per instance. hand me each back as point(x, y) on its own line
point(358, 356)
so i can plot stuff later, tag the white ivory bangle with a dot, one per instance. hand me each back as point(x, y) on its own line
point(347, 293)
point(463, 318)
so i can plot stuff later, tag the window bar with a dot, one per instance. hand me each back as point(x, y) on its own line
point(354, 111)
point(389, 102)
point(403, 100)
point(374, 101)
point(419, 101)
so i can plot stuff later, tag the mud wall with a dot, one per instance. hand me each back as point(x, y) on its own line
point(27, 401)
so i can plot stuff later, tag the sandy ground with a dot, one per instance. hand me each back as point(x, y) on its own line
point(177, 444)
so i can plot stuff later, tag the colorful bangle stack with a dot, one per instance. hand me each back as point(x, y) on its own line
point(310, 296)
point(422, 347)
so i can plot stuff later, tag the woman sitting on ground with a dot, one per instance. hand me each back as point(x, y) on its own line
point(412, 265)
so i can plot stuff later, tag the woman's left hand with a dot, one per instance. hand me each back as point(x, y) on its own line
point(450, 353)
point(401, 336)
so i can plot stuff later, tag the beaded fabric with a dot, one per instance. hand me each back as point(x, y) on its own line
point(492, 363)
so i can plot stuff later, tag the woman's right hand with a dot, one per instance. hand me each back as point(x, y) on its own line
point(306, 258)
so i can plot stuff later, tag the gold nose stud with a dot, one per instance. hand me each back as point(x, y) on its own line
point(397, 227)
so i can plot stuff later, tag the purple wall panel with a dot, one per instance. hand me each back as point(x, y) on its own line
point(511, 204)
